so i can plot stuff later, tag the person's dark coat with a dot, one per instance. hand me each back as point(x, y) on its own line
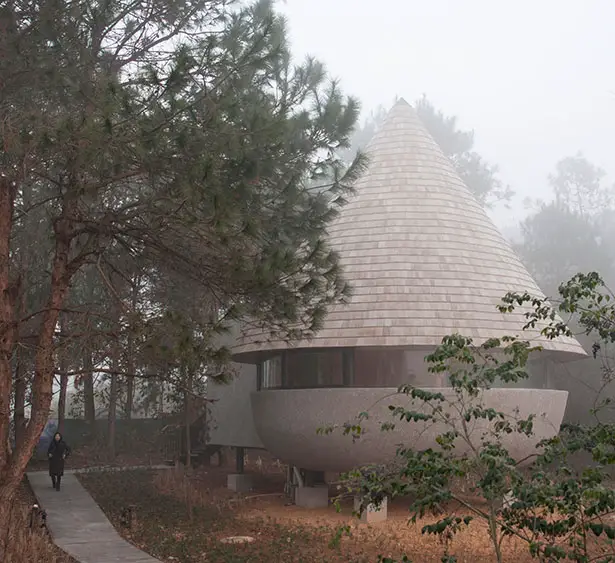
point(58, 452)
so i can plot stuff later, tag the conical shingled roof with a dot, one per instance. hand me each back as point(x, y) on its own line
point(423, 257)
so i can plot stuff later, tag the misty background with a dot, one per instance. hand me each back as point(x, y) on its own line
point(532, 79)
point(532, 85)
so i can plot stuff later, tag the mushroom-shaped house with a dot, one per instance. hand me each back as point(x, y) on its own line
point(425, 261)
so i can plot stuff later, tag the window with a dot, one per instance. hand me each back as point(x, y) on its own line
point(271, 373)
point(313, 369)
point(379, 367)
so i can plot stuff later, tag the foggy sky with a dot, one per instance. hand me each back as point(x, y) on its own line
point(534, 79)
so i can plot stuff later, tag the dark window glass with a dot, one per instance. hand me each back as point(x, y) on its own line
point(379, 368)
point(370, 367)
point(314, 369)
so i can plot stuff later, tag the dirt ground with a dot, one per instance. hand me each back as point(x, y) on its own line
point(393, 538)
point(186, 516)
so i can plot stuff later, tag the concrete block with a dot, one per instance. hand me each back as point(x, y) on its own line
point(372, 514)
point(239, 482)
point(508, 500)
point(312, 497)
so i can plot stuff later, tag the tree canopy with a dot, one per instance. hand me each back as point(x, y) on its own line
point(572, 232)
point(169, 141)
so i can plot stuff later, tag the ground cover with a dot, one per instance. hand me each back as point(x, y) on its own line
point(186, 518)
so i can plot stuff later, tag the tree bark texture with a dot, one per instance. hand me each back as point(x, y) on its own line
point(130, 352)
point(188, 418)
point(89, 404)
point(64, 367)
point(21, 389)
point(8, 334)
point(20, 382)
point(113, 391)
point(12, 467)
point(7, 317)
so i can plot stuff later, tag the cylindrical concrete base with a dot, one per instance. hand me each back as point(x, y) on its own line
point(295, 439)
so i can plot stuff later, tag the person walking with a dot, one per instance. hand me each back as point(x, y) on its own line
point(58, 451)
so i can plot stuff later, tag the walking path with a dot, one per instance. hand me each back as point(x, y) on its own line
point(78, 526)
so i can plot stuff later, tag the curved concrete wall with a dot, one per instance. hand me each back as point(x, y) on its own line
point(287, 422)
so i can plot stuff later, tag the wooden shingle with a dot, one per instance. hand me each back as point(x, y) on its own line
point(423, 257)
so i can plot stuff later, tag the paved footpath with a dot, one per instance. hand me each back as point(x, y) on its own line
point(78, 526)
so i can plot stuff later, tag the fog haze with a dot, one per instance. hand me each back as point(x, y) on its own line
point(532, 79)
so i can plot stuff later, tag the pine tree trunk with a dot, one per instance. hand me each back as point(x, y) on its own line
point(130, 393)
point(89, 405)
point(130, 368)
point(63, 379)
point(62, 397)
point(21, 383)
point(12, 472)
point(7, 317)
point(112, 416)
point(188, 418)
point(130, 360)
point(7, 343)
point(113, 391)
point(6, 378)
point(19, 416)
point(7, 498)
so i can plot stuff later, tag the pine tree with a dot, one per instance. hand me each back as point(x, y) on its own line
point(176, 133)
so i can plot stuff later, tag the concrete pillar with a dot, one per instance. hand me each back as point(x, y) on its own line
point(371, 514)
point(239, 460)
point(239, 482)
point(316, 496)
